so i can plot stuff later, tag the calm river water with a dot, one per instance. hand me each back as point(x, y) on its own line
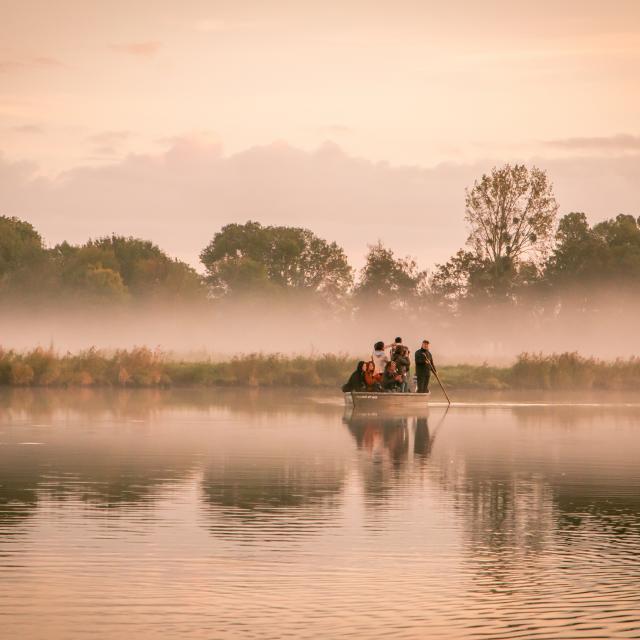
point(208, 514)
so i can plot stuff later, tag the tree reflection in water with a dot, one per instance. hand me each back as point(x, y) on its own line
point(287, 482)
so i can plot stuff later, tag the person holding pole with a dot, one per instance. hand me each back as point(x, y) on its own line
point(424, 366)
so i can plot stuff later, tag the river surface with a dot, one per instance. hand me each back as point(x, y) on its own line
point(223, 514)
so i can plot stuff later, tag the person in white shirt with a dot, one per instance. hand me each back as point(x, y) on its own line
point(379, 356)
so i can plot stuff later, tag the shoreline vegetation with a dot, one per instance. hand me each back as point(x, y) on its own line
point(142, 367)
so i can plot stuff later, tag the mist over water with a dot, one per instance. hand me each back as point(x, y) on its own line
point(267, 514)
point(496, 335)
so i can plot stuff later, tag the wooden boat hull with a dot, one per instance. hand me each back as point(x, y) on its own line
point(381, 401)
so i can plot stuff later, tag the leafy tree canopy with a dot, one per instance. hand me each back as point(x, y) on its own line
point(245, 258)
point(142, 268)
point(20, 244)
point(23, 257)
point(396, 280)
point(512, 214)
point(606, 254)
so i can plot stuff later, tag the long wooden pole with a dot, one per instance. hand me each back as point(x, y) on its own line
point(435, 373)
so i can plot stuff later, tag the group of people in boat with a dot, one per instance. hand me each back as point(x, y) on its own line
point(390, 372)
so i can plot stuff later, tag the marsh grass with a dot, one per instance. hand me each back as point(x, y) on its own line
point(566, 371)
point(143, 367)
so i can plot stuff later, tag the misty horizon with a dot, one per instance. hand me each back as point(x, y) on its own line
point(180, 197)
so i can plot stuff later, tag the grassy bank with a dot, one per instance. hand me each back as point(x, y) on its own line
point(142, 367)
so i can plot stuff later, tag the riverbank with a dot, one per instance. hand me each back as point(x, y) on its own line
point(143, 368)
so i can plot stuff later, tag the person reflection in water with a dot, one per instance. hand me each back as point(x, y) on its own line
point(422, 440)
point(391, 435)
point(377, 435)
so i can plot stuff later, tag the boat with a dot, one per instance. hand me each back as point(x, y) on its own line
point(380, 400)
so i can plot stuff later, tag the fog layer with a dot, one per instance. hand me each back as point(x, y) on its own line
point(494, 335)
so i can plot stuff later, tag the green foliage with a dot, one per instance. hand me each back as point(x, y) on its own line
point(143, 367)
point(512, 258)
point(20, 244)
point(116, 269)
point(606, 254)
point(250, 258)
point(397, 282)
point(466, 376)
point(24, 261)
point(562, 371)
point(461, 278)
point(512, 213)
point(558, 371)
point(147, 271)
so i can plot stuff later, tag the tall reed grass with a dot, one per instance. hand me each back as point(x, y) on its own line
point(144, 367)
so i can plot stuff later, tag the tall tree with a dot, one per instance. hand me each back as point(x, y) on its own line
point(512, 214)
point(250, 258)
point(396, 281)
point(591, 258)
point(454, 280)
point(126, 268)
point(24, 261)
point(148, 272)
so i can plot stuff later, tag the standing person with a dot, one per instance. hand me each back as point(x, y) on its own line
point(401, 356)
point(424, 365)
point(379, 356)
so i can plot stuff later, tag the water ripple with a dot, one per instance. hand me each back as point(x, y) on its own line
point(498, 523)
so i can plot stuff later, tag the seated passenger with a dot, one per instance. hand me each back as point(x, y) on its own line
point(371, 378)
point(356, 379)
point(392, 380)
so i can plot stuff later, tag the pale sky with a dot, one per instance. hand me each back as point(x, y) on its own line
point(228, 95)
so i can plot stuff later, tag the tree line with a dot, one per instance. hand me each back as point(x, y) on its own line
point(519, 252)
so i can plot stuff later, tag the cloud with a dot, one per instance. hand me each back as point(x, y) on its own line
point(31, 129)
point(110, 137)
point(46, 61)
point(139, 49)
point(8, 65)
point(212, 25)
point(334, 129)
point(104, 152)
point(107, 145)
point(180, 197)
point(623, 142)
point(38, 62)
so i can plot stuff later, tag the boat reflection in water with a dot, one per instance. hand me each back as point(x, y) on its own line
point(402, 436)
point(394, 447)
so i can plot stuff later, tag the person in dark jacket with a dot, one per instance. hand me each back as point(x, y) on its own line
point(356, 380)
point(392, 380)
point(424, 366)
point(402, 357)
